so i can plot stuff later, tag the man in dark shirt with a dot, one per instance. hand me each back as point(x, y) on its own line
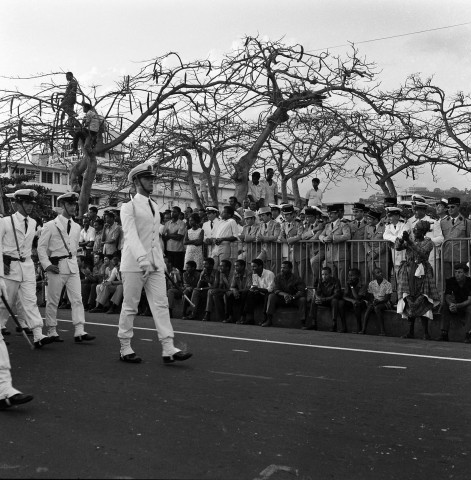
point(289, 290)
point(328, 293)
point(355, 296)
point(190, 280)
point(457, 304)
point(215, 304)
point(239, 287)
point(200, 292)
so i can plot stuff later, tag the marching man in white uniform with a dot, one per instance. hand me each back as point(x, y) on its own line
point(142, 266)
point(57, 251)
point(9, 396)
point(16, 236)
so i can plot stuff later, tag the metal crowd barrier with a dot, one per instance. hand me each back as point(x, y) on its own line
point(309, 257)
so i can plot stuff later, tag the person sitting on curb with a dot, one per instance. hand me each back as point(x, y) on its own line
point(200, 292)
point(262, 285)
point(289, 290)
point(215, 300)
point(240, 285)
point(457, 304)
point(355, 296)
point(380, 291)
point(328, 293)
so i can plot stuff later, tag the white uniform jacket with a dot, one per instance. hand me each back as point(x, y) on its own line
point(141, 234)
point(391, 232)
point(18, 270)
point(50, 244)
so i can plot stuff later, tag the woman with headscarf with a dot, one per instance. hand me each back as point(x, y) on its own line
point(416, 290)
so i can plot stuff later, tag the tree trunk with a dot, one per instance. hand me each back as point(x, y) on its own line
point(2, 205)
point(284, 191)
point(191, 182)
point(297, 196)
point(88, 179)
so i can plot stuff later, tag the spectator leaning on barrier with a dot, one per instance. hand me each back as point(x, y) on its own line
point(173, 234)
point(267, 235)
point(289, 289)
point(376, 250)
point(357, 230)
point(455, 226)
point(457, 302)
point(290, 235)
point(441, 208)
point(335, 236)
point(248, 238)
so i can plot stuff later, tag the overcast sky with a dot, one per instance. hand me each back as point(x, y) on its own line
point(102, 39)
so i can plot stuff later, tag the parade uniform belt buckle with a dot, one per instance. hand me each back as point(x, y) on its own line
point(69, 256)
point(22, 259)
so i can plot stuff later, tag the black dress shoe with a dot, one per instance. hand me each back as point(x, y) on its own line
point(17, 399)
point(97, 310)
point(177, 357)
point(43, 341)
point(130, 358)
point(56, 339)
point(84, 338)
point(5, 332)
point(309, 327)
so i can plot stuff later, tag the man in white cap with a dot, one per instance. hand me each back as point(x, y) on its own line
point(209, 227)
point(248, 237)
point(9, 396)
point(142, 266)
point(17, 233)
point(57, 251)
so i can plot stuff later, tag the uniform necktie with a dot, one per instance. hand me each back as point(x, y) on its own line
point(453, 222)
point(359, 223)
point(289, 226)
point(151, 208)
point(211, 224)
point(26, 225)
point(68, 227)
point(332, 225)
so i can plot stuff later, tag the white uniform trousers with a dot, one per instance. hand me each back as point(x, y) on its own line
point(156, 292)
point(24, 294)
point(55, 283)
point(6, 388)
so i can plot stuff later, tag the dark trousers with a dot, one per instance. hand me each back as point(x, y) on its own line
point(177, 259)
point(275, 301)
point(231, 301)
point(463, 316)
point(253, 300)
point(336, 307)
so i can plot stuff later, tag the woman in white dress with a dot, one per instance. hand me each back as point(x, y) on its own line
point(194, 241)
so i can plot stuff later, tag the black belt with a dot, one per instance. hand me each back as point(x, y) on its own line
point(55, 260)
point(13, 259)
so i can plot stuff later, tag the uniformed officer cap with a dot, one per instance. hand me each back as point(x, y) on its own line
point(142, 170)
point(420, 205)
point(359, 206)
point(237, 215)
point(109, 212)
point(442, 201)
point(312, 210)
point(393, 210)
point(418, 198)
point(374, 214)
point(69, 197)
point(11, 196)
point(212, 209)
point(287, 209)
point(274, 206)
point(263, 210)
point(336, 207)
point(454, 201)
point(25, 194)
point(390, 200)
point(249, 214)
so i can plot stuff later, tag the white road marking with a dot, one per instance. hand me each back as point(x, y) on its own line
point(241, 375)
point(245, 351)
point(291, 344)
point(272, 469)
point(147, 339)
point(393, 366)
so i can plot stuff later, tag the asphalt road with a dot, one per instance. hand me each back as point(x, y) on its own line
point(286, 404)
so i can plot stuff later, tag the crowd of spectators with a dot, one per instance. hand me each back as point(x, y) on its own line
point(226, 264)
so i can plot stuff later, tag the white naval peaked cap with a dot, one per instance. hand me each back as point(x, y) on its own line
point(26, 194)
point(69, 197)
point(143, 170)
